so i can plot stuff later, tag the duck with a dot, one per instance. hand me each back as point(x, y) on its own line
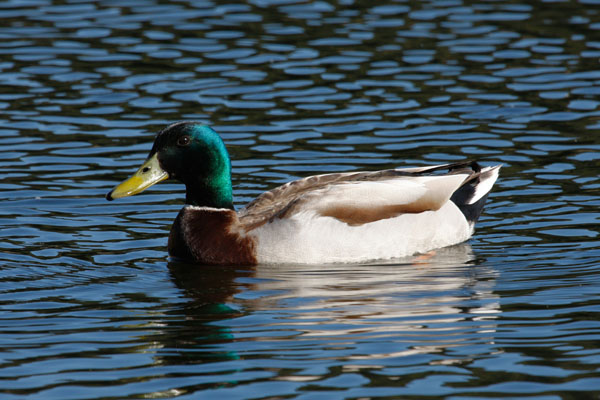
point(342, 217)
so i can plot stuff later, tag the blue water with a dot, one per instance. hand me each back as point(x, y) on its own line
point(91, 307)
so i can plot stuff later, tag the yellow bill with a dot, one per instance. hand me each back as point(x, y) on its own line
point(147, 175)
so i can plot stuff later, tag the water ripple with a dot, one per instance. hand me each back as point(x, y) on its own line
point(92, 308)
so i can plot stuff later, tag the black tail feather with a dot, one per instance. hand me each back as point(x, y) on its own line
point(472, 195)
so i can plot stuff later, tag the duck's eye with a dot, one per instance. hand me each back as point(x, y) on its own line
point(183, 141)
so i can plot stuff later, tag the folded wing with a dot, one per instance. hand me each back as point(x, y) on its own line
point(358, 203)
point(355, 198)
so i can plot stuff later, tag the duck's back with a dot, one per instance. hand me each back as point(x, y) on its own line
point(355, 217)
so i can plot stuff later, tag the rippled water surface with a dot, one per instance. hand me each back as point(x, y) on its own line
point(92, 308)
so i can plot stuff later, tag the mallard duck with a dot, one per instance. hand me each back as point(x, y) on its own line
point(345, 217)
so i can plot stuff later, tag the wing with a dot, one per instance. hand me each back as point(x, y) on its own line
point(360, 197)
point(359, 203)
point(277, 201)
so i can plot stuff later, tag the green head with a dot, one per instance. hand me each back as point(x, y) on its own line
point(191, 153)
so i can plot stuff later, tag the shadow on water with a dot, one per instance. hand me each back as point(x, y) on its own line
point(210, 290)
point(317, 304)
point(305, 325)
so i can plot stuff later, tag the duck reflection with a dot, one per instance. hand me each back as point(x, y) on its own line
point(193, 333)
point(430, 304)
point(428, 293)
point(422, 304)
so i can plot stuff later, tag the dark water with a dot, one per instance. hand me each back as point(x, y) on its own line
point(91, 307)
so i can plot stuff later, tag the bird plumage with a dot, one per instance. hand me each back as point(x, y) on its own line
point(339, 217)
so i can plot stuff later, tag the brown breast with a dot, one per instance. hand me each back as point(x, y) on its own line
point(211, 236)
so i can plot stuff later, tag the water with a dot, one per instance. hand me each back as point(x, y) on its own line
point(90, 305)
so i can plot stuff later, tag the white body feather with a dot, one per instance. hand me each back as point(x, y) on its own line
point(309, 237)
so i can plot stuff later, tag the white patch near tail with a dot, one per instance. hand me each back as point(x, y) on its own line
point(486, 182)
